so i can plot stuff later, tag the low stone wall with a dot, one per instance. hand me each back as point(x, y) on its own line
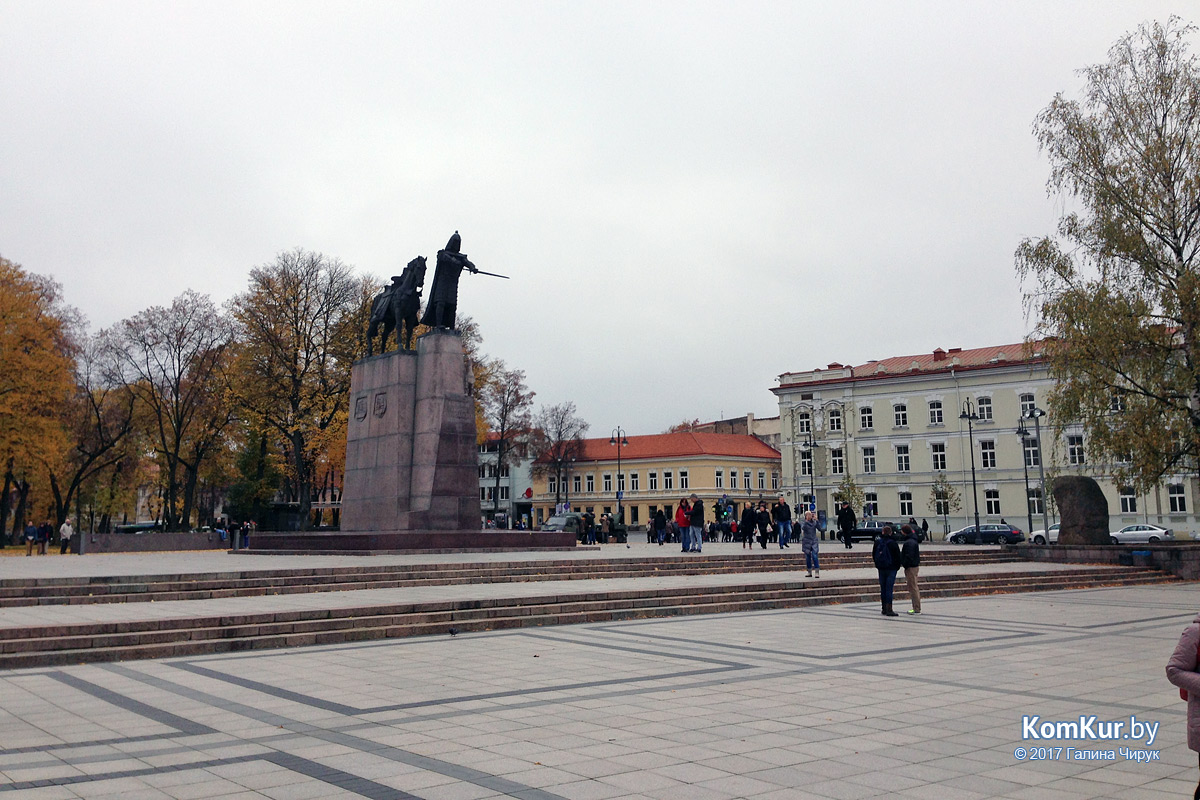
point(154, 542)
point(1182, 560)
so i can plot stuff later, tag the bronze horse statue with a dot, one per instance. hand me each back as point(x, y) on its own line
point(397, 307)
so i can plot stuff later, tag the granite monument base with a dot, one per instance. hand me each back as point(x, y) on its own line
point(381, 543)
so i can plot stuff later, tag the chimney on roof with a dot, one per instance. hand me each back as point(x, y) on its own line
point(834, 365)
point(750, 423)
point(939, 354)
point(954, 350)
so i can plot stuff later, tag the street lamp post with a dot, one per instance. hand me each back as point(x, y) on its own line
point(968, 413)
point(568, 462)
point(619, 439)
point(1023, 433)
point(1036, 415)
point(809, 445)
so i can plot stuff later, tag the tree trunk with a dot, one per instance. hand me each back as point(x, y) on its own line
point(303, 498)
point(19, 518)
point(4, 498)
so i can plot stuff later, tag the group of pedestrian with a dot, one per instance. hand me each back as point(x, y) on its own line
point(37, 537)
point(889, 556)
point(689, 519)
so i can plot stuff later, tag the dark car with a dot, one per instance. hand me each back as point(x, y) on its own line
point(867, 531)
point(991, 533)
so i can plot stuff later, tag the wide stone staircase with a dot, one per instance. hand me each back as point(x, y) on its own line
point(137, 636)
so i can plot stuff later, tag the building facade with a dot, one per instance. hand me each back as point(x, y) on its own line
point(657, 471)
point(514, 501)
point(895, 426)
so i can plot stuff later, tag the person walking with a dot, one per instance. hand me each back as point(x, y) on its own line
point(886, 555)
point(683, 521)
point(910, 559)
point(30, 538)
point(44, 532)
point(925, 529)
point(763, 519)
point(1184, 671)
point(847, 522)
point(696, 522)
point(65, 532)
point(781, 512)
point(660, 525)
point(809, 543)
point(747, 525)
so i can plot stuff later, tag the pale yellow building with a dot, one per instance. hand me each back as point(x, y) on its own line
point(656, 471)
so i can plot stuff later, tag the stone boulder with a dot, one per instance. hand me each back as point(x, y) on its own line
point(1082, 509)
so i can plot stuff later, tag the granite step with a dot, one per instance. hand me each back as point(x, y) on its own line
point(160, 638)
point(159, 588)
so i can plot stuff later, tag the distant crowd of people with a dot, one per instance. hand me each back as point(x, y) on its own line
point(38, 537)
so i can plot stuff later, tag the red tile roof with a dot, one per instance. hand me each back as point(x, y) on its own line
point(937, 361)
point(675, 445)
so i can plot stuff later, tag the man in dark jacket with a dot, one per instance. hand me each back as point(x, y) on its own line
point(660, 526)
point(747, 525)
point(886, 555)
point(910, 559)
point(847, 522)
point(696, 521)
point(781, 512)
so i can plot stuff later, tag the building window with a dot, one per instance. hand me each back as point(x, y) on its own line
point(746, 479)
point(1075, 450)
point(1033, 456)
point(719, 479)
point(633, 515)
point(762, 479)
point(1178, 500)
point(620, 481)
point(806, 462)
point(866, 418)
point(652, 478)
point(577, 484)
point(591, 483)
point(1128, 500)
point(775, 481)
point(835, 419)
point(806, 500)
point(941, 505)
point(1027, 405)
point(552, 484)
point(900, 412)
point(733, 479)
point(634, 482)
point(902, 462)
point(987, 455)
point(504, 470)
point(937, 454)
point(837, 461)
point(683, 479)
point(483, 470)
point(991, 498)
point(1035, 501)
point(868, 459)
point(804, 422)
point(668, 479)
point(607, 482)
point(870, 504)
point(1116, 403)
point(935, 412)
point(906, 504)
point(503, 492)
point(983, 407)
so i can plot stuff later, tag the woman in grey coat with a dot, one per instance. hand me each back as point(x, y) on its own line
point(808, 543)
point(1182, 671)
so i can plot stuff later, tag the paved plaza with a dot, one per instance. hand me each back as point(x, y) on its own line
point(819, 702)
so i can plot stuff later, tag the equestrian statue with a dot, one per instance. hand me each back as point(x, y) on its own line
point(397, 306)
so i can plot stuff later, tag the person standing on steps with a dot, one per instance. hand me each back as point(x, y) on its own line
point(763, 519)
point(847, 522)
point(809, 543)
point(781, 512)
point(910, 559)
point(65, 532)
point(886, 555)
point(696, 521)
point(683, 522)
point(747, 525)
point(660, 526)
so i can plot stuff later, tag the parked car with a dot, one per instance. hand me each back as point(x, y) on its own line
point(1141, 533)
point(1041, 536)
point(564, 522)
point(991, 533)
point(867, 531)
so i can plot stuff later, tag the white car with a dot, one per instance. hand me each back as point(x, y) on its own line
point(1042, 537)
point(1141, 533)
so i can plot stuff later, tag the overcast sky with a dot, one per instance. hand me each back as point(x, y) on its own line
point(691, 198)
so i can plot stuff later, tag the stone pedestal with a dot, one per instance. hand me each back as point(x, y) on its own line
point(411, 458)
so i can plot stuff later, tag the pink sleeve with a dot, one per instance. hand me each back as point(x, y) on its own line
point(1181, 669)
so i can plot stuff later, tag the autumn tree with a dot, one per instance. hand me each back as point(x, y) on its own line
point(176, 360)
point(558, 441)
point(849, 492)
point(302, 322)
point(37, 333)
point(1116, 291)
point(944, 499)
point(685, 426)
point(507, 401)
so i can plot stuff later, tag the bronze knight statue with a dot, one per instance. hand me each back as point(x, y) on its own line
point(443, 296)
point(397, 306)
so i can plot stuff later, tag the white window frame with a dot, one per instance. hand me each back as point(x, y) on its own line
point(991, 499)
point(868, 455)
point(983, 408)
point(834, 415)
point(683, 480)
point(668, 480)
point(607, 482)
point(837, 461)
point(719, 478)
point(900, 415)
point(987, 454)
point(652, 480)
point(937, 456)
point(1128, 500)
point(906, 504)
point(866, 418)
point(935, 414)
point(1177, 498)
